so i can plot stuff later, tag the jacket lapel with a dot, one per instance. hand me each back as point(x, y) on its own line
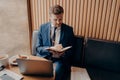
point(48, 34)
point(61, 34)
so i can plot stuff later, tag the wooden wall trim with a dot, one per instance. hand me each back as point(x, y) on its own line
point(89, 18)
point(30, 23)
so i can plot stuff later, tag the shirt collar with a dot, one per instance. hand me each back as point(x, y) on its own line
point(52, 26)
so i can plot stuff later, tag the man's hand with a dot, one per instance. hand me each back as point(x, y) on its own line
point(56, 54)
point(56, 50)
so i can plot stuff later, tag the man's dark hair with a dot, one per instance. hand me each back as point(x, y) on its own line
point(57, 9)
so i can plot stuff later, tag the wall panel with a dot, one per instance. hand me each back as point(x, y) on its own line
point(89, 18)
point(14, 27)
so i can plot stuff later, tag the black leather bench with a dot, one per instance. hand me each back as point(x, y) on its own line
point(78, 51)
point(102, 59)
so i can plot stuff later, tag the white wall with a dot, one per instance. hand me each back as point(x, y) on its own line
point(14, 29)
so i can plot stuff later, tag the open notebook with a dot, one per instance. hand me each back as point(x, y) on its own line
point(61, 50)
point(6, 74)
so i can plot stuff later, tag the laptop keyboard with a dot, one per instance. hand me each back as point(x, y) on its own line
point(6, 77)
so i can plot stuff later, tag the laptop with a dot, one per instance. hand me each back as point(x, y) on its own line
point(35, 67)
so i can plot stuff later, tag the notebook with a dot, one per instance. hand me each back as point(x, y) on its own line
point(35, 67)
point(61, 50)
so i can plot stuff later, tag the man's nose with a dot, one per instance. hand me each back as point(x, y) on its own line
point(58, 21)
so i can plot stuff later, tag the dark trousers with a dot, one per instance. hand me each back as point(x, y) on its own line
point(62, 70)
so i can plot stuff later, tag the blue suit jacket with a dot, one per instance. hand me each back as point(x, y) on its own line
point(43, 40)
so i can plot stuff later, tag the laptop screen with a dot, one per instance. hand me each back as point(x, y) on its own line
point(35, 67)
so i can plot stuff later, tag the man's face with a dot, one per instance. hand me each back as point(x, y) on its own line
point(56, 20)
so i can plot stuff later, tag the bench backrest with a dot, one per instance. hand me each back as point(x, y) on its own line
point(77, 59)
point(102, 54)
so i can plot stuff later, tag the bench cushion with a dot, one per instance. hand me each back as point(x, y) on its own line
point(101, 74)
point(102, 54)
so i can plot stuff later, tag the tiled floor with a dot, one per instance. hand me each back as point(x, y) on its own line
point(79, 74)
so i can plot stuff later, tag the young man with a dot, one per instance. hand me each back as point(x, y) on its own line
point(63, 36)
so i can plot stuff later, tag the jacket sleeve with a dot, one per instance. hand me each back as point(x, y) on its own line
point(68, 53)
point(40, 48)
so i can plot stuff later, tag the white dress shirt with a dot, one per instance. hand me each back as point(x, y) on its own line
point(57, 32)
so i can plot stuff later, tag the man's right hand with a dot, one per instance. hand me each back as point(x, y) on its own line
point(56, 50)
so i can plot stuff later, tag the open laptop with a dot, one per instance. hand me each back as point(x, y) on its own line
point(35, 67)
